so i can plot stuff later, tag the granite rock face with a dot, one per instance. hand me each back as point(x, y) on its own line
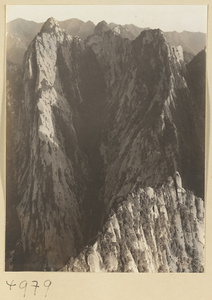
point(100, 124)
point(149, 230)
point(50, 168)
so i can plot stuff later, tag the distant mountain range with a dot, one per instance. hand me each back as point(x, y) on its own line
point(21, 32)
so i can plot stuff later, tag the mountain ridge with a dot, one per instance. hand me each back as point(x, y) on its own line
point(133, 247)
point(104, 115)
point(195, 41)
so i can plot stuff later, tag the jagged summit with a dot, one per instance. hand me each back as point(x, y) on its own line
point(152, 34)
point(101, 27)
point(51, 25)
point(152, 39)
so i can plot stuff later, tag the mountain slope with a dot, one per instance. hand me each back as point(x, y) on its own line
point(126, 31)
point(150, 230)
point(146, 94)
point(192, 42)
point(77, 27)
point(96, 120)
point(20, 33)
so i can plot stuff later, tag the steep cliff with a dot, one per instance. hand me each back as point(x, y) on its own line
point(150, 112)
point(14, 88)
point(196, 79)
point(50, 168)
point(97, 123)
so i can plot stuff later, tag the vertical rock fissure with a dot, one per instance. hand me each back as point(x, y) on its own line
point(92, 113)
point(89, 113)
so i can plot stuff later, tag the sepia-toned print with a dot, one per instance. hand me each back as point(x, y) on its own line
point(105, 140)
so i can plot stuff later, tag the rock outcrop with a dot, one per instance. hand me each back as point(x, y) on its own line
point(50, 168)
point(149, 230)
point(99, 122)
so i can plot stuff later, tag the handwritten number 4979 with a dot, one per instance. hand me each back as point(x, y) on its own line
point(24, 284)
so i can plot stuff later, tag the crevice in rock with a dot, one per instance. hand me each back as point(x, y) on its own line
point(89, 114)
point(92, 113)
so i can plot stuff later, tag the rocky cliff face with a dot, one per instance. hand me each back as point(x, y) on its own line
point(98, 122)
point(149, 230)
point(146, 89)
point(50, 167)
point(21, 32)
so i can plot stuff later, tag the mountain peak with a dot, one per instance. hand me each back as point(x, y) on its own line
point(154, 32)
point(101, 27)
point(51, 25)
point(150, 35)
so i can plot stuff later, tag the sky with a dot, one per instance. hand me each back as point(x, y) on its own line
point(166, 17)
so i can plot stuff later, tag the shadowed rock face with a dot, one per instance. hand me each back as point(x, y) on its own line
point(196, 71)
point(95, 120)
